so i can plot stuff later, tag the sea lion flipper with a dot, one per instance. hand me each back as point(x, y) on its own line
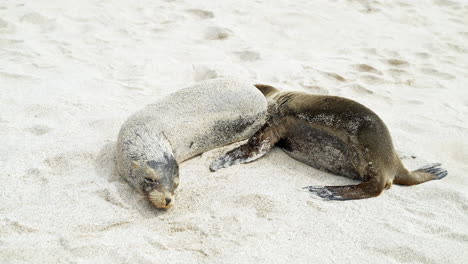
point(363, 190)
point(256, 147)
point(426, 173)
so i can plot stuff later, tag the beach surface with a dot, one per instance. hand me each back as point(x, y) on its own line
point(71, 72)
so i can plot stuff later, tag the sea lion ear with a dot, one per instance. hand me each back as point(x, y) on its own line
point(135, 164)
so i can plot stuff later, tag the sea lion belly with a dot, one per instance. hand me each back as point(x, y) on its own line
point(318, 148)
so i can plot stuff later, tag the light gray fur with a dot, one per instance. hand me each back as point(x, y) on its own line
point(191, 121)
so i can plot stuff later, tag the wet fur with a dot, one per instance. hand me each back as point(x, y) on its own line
point(333, 134)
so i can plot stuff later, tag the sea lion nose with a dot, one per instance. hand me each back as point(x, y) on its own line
point(168, 200)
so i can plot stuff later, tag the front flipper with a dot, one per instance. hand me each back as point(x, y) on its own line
point(256, 147)
point(363, 190)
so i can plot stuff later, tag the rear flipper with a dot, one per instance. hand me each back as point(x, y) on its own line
point(363, 190)
point(256, 147)
point(427, 173)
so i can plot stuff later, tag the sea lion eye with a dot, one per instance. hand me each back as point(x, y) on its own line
point(151, 181)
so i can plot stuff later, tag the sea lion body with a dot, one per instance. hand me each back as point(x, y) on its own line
point(153, 141)
point(333, 134)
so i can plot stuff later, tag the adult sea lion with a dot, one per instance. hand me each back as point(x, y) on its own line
point(153, 141)
point(334, 134)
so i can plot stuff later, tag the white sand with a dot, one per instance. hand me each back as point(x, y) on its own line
point(72, 71)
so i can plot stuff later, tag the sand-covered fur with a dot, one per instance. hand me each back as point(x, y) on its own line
point(191, 121)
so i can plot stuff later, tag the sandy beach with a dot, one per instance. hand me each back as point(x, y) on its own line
point(71, 72)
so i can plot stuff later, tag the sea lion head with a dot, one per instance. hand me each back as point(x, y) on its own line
point(158, 181)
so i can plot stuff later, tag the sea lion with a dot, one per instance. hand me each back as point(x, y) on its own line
point(210, 114)
point(334, 134)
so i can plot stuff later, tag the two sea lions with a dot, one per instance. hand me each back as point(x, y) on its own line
point(334, 134)
point(153, 141)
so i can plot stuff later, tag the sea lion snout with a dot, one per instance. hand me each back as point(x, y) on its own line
point(162, 200)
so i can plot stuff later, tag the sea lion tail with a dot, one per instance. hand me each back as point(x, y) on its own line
point(426, 173)
point(266, 90)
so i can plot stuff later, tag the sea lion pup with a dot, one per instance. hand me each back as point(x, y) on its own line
point(334, 134)
point(153, 141)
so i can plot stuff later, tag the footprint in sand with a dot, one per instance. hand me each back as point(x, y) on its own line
point(369, 51)
point(109, 197)
point(436, 73)
point(366, 68)
point(200, 13)
point(247, 55)
point(39, 20)
point(371, 79)
point(397, 63)
point(3, 23)
point(34, 18)
point(6, 27)
point(400, 75)
point(457, 48)
point(69, 161)
point(262, 204)
point(36, 175)
point(360, 89)
point(217, 33)
point(422, 55)
point(415, 102)
point(39, 130)
point(402, 254)
point(446, 3)
point(333, 76)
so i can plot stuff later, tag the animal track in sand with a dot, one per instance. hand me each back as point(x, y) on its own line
point(402, 254)
point(436, 73)
point(39, 130)
point(360, 89)
point(200, 13)
point(247, 55)
point(369, 51)
point(10, 42)
point(398, 62)
point(335, 76)
point(371, 79)
point(11, 227)
point(34, 175)
point(202, 72)
point(366, 68)
point(263, 205)
point(109, 197)
point(6, 27)
point(41, 111)
point(401, 76)
point(176, 227)
point(34, 18)
point(457, 48)
point(422, 55)
point(3, 23)
point(415, 102)
point(217, 33)
point(446, 3)
point(69, 161)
